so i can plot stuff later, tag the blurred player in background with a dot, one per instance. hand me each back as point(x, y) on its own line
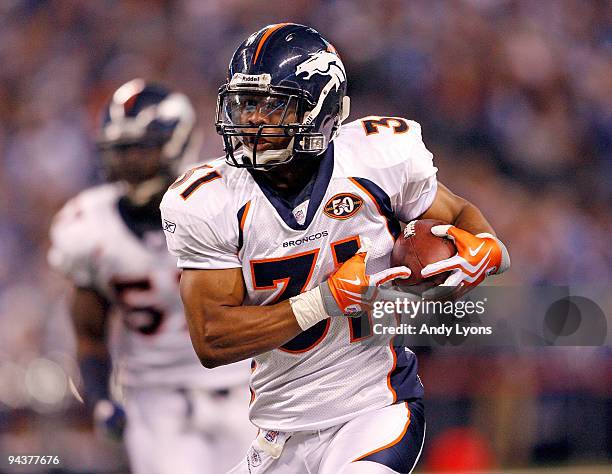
point(273, 243)
point(108, 240)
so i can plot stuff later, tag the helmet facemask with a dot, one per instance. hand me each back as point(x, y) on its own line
point(267, 124)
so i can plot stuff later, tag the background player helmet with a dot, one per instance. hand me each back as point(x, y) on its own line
point(145, 131)
point(285, 95)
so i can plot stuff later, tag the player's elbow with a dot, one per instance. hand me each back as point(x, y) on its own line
point(211, 359)
point(209, 356)
point(210, 362)
point(210, 349)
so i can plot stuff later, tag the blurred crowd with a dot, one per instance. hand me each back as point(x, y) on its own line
point(515, 100)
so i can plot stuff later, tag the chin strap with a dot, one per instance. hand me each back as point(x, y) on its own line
point(345, 109)
point(270, 156)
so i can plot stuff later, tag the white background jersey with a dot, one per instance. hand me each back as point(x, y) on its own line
point(94, 247)
point(376, 172)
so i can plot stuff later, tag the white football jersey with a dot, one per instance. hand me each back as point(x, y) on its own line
point(377, 171)
point(94, 246)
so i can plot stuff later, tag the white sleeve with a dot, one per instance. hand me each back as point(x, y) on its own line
point(71, 248)
point(419, 183)
point(203, 242)
point(393, 155)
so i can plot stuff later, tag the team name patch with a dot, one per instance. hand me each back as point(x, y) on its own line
point(343, 206)
point(304, 240)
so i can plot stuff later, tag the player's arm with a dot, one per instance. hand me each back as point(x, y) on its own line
point(222, 331)
point(479, 252)
point(89, 313)
point(449, 207)
point(89, 310)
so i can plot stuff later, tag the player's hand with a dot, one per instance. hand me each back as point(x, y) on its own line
point(349, 290)
point(478, 256)
point(109, 419)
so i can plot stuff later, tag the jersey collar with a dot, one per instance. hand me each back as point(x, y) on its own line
point(314, 190)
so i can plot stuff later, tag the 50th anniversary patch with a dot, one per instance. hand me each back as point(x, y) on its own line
point(343, 206)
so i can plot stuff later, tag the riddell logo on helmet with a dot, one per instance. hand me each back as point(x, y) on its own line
point(343, 206)
point(250, 80)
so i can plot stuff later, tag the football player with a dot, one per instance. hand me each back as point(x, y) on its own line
point(108, 240)
point(279, 242)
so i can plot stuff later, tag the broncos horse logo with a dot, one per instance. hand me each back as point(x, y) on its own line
point(324, 63)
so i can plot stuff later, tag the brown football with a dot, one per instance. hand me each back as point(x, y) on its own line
point(417, 247)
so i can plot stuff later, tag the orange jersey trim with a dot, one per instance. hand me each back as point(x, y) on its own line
point(313, 345)
point(186, 175)
point(392, 443)
point(391, 371)
point(198, 183)
point(244, 216)
point(284, 281)
point(338, 242)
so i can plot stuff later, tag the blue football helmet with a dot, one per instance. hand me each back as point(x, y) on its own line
point(148, 119)
point(285, 96)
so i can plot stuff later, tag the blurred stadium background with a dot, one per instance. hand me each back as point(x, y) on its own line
point(515, 99)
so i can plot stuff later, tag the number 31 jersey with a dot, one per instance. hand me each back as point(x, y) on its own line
point(96, 246)
point(375, 173)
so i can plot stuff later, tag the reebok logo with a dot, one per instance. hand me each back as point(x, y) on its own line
point(169, 226)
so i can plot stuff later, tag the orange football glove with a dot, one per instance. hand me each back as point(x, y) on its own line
point(349, 291)
point(478, 256)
